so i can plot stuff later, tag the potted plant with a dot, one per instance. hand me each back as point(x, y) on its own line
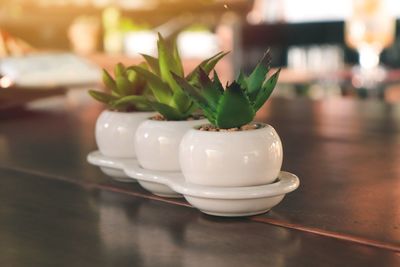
point(157, 139)
point(127, 107)
point(232, 150)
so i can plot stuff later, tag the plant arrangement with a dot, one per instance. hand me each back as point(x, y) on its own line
point(237, 104)
point(169, 99)
point(128, 91)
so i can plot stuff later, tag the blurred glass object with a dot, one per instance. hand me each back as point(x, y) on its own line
point(309, 64)
point(295, 11)
point(314, 58)
point(84, 34)
point(370, 29)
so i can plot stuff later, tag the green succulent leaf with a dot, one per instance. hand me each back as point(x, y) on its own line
point(159, 88)
point(153, 63)
point(108, 81)
point(102, 97)
point(196, 95)
point(166, 82)
point(119, 70)
point(177, 59)
point(211, 91)
point(217, 82)
point(266, 90)
point(131, 75)
point(147, 92)
point(168, 63)
point(207, 65)
point(123, 85)
point(180, 101)
point(234, 109)
point(130, 102)
point(241, 80)
point(257, 77)
point(237, 105)
point(168, 112)
point(129, 90)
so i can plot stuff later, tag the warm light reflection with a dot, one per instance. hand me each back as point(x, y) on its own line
point(5, 82)
point(140, 42)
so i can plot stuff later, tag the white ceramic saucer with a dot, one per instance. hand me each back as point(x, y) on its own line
point(220, 201)
point(113, 167)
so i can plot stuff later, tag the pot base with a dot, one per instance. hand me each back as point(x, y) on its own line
point(234, 207)
point(213, 200)
point(234, 214)
point(117, 175)
point(159, 189)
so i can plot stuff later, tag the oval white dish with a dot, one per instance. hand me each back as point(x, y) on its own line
point(213, 200)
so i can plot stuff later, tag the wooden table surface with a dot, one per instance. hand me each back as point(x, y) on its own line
point(57, 210)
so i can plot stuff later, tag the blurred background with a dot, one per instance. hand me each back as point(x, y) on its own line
point(331, 48)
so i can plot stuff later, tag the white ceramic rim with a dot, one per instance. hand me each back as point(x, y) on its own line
point(264, 125)
point(287, 182)
point(173, 121)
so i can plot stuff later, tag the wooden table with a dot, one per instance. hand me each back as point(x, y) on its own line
point(57, 210)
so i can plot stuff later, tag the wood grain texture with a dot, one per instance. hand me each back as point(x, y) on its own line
point(47, 222)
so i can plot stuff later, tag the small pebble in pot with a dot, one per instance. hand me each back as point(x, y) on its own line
point(212, 128)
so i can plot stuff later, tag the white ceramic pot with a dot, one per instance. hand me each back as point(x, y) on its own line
point(115, 132)
point(157, 148)
point(157, 143)
point(227, 159)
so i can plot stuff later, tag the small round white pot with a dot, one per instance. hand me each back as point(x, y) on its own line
point(157, 143)
point(115, 132)
point(228, 159)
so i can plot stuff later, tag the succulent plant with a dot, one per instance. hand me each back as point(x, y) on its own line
point(169, 98)
point(236, 105)
point(129, 91)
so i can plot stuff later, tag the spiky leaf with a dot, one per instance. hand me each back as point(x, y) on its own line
point(159, 88)
point(207, 65)
point(266, 90)
point(177, 59)
point(241, 80)
point(123, 85)
point(234, 109)
point(180, 101)
point(108, 81)
point(131, 75)
point(168, 112)
point(153, 63)
point(102, 97)
point(255, 81)
point(138, 83)
point(130, 102)
point(211, 91)
point(167, 64)
point(119, 70)
point(197, 97)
